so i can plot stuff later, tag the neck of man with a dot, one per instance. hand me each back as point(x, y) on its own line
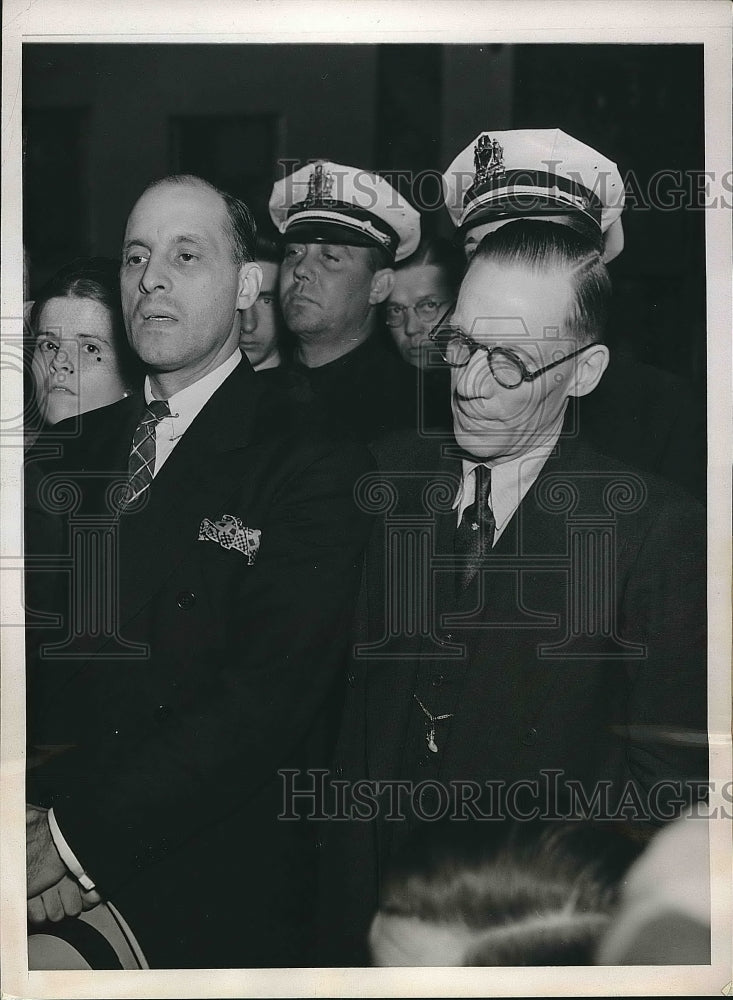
point(317, 349)
point(166, 384)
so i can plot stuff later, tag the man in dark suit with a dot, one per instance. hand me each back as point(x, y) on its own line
point(640, 414)
point(534, 616)
point(209, 555)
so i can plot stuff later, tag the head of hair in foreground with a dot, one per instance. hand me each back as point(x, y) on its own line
point(501, 893)
point(544, 247)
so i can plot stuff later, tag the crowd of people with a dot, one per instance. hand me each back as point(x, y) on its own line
point(336, 532)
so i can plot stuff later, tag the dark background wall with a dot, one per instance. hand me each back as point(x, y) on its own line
point(100, 121)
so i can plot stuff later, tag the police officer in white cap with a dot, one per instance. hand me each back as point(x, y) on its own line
point(642, 415)
point(542, 173)
point(343, 229)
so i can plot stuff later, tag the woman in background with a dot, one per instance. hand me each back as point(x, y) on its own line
point(81, 358)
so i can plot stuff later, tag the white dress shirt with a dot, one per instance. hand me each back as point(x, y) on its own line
point(185, 406)
point(510, 482)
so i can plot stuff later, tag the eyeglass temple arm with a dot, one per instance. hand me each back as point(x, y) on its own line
point(531, 376)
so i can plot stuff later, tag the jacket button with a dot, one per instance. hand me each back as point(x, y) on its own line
point(162, 712)
point(185, 600)
point(351, 679)
point(338, 771)
point(530, 737)
point(437, 680)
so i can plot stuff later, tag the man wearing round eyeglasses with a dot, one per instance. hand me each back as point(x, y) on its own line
point(515, 359)
point(535, 639)
point(641, 414)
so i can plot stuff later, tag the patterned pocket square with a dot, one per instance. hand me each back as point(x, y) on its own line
point(230, 533)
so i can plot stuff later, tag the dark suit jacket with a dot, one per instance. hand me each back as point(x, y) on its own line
point(583, 654)
point(207, 675)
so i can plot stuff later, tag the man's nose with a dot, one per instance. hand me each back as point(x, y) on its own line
point(413, 325)
point(249, 319)
point(155, 276)
point(304, 269)
point(475, 378)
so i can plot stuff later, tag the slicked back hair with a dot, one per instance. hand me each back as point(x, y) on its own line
point(242, 230)
point(546, 247)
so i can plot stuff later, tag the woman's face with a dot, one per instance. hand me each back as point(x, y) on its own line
point(427, 287)
point(75, 363)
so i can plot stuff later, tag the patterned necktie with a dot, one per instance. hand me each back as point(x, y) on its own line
point(474, 536)
point(141, 464)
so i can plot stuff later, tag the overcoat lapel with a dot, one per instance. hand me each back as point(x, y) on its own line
point(191, 485)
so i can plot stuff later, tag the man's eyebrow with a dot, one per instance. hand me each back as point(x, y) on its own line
point(134, 243)
point(339, 247)
point(198, 240)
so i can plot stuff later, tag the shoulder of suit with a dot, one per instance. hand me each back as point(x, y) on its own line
point(655, 494)
point(302, 428)
point(405, 448)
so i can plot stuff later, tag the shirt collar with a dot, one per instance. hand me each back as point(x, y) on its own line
point(510, 481)
point(186, 405)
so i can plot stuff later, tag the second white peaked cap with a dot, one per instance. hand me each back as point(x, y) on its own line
point(525, 172)
point(326, 202)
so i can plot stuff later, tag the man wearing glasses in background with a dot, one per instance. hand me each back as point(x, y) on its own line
point(549, 637)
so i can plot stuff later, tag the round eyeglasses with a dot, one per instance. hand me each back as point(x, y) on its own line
point(457, 349)
point(427, 311)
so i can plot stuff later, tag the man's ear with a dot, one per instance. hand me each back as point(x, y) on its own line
point(382, 285)
point(250, 282)
point(589, 369)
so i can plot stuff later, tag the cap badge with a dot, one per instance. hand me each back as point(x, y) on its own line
point(320, 185)
point(488, 159)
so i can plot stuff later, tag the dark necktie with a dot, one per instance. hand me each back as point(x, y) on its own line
point(141, 464)
point(474, 536)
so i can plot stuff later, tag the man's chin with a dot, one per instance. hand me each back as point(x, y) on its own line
point(483, 444)
point(301, 320)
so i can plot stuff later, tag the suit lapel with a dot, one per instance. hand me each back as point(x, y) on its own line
point(193, 481)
